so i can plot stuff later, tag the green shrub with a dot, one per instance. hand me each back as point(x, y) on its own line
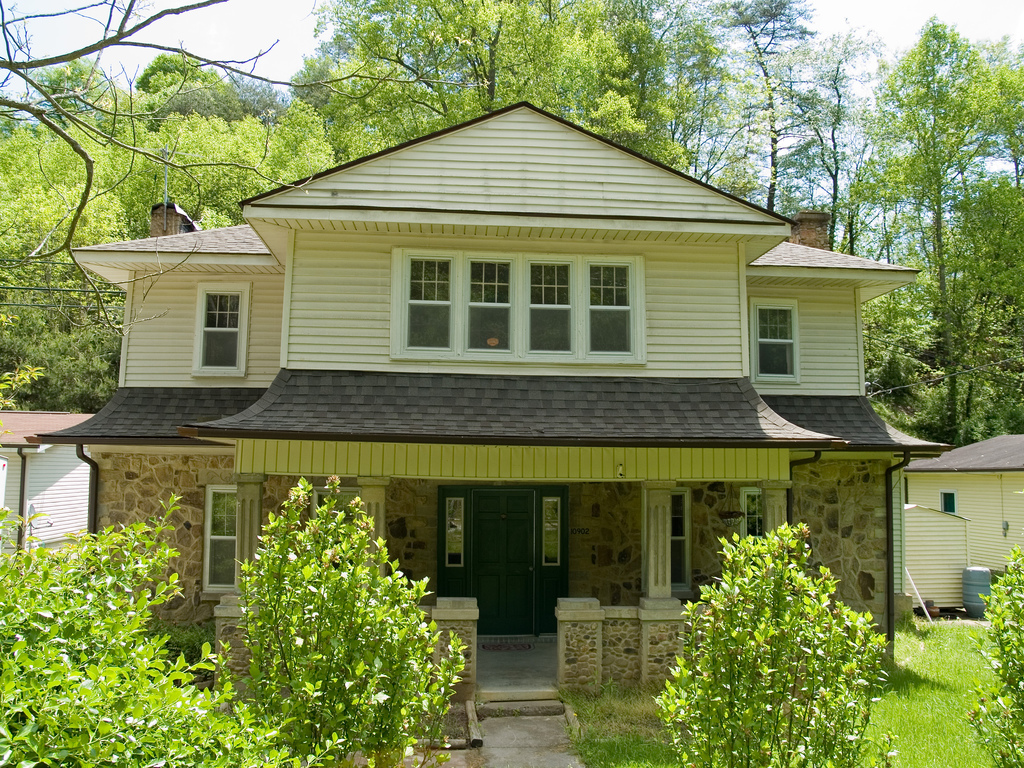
point(188, 640)
point(999, 717)
point(82, 681)
point(773, 671)
point(340, 648)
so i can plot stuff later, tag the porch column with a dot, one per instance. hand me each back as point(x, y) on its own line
point(249, 520)
point(774, 501)
point(373, 492)
point(658, 538)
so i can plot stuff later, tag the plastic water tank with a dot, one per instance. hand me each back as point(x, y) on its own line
point(977, 582)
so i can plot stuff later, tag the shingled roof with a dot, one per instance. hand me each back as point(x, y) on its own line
point(849, 417)
point(793, 255)
point(240, 239)
point(145, 415)
point(15, 426)
point(511, 410)
point(998, 454)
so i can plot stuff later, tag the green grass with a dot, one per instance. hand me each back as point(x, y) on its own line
point(924, 706)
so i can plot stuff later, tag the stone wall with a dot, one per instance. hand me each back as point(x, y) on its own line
point(707, 500)
point(411, 528)
point(605, 549)
point(843, 504)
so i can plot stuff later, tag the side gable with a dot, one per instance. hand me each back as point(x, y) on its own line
point(518, 161)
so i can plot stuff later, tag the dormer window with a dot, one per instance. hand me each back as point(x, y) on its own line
point(509, 307)
point(222, 323)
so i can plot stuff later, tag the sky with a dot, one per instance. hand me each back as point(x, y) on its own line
point(239, 29)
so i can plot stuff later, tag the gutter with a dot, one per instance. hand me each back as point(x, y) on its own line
point(789, 491)
point(94, 486)
point(890, 571)
point(22, 512)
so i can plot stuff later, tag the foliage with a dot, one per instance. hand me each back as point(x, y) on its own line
point(998, 717)
point(192, 641)
point(82, 682)
point(12, 380)
point(340, 649)
point(774, 671)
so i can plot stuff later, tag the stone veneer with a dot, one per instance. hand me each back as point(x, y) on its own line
point(411, 528)
point(605, 548)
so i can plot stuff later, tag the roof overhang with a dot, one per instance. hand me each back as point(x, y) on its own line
point(871, 282)
point(123, 266)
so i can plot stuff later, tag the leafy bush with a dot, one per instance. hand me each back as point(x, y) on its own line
point(189, 640)
point(82, 682)
point(340, 648)
point(999, 717)
point(773, 671)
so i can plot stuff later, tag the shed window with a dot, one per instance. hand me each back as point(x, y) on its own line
point(947, 502)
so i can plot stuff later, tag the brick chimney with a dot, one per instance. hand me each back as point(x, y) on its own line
point(811, 229)
point(169, 219)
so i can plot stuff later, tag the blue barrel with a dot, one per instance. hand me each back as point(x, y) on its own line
point(977, 582)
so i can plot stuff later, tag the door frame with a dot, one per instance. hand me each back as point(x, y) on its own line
point(550, 581)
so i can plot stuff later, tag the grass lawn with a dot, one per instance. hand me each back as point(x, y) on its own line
point(924, 706)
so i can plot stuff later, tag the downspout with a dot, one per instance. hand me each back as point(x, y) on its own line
point(789, 491)
point(890, 571)
point(22, 512)
point(94, 485)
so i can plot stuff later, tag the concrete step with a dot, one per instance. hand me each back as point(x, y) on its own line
point(524, 708)
point(507, 694)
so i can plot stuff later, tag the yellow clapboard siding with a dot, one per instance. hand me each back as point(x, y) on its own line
point(475, 462)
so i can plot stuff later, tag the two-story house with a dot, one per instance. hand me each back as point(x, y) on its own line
point(555, 371)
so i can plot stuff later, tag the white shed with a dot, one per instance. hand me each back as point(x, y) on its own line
point(937, 551)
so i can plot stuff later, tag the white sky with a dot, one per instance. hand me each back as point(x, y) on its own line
point(240, 28)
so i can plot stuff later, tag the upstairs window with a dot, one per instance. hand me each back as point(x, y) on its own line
point(947, 502)
point(775, 341)
point(222, 323)
point(531, 307)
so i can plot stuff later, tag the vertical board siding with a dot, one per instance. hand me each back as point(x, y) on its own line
point(936, 555)
point(521, 162)
point(341, 307)
point(505, 462)
point(160, 345)
point(828, 339)
point(985, 500)
point(57, 489)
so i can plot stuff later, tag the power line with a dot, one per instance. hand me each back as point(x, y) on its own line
point(946, 376)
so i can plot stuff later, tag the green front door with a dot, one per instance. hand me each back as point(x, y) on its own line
point(503, 554)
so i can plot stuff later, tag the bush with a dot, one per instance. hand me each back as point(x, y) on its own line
point(773, 672)
point(189, 640)
point(82, 681)
point(339, 645)
point(999, 717)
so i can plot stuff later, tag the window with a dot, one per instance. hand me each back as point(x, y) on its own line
point(517, 306)
point(680, 540)
point(753, 511)
point(552, 534)
point(222, 325)
point(455, 514)
point(219, 534)
point(775, 341)
point(947, 502)
point(343, 497)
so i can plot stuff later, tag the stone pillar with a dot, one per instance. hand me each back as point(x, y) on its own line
point(658, 538)
point(773, 493)
point(373, 490)
point(580, 644)
point(459, 615)
point(229, 626)
point(249, 520)
point(660, 625)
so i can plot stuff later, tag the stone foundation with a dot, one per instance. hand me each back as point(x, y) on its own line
point(458, 616)
point(231, 637)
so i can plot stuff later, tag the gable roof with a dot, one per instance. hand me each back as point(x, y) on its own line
point(15, 426)
point(997, 454)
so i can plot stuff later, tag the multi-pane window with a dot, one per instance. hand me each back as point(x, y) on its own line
point(489, 305)
point(776, 341)
point(222, 319)
point(679, 543)
point(220, 530)
point(609, 309)
point(752, 507)
point(430, 303)
point(550, 308)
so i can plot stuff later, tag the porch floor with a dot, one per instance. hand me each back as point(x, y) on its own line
point(517, 675)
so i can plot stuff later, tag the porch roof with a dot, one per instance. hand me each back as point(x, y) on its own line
point(512, 410)
point(851, 418)
point(151, 415)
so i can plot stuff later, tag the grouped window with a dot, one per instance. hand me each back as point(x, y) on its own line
point(516, 306)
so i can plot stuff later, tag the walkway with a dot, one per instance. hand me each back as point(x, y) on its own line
point(519, 738)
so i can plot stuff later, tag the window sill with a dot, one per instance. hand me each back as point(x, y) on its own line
point(214, 595)
point(507, 359)
point(209, 373)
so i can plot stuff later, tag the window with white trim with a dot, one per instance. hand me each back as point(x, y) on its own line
point(516, 306)
point(947, 502)
point(679, 543)
point(774, 337)
point(222, 327)
point(752, 507)
point(342, 497)
point(219, 541)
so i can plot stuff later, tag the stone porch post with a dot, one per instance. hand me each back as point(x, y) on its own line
point(774, 500)
point(658, 538)
point(373, 492)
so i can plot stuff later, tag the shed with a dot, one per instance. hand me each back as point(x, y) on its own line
point(937, 551)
